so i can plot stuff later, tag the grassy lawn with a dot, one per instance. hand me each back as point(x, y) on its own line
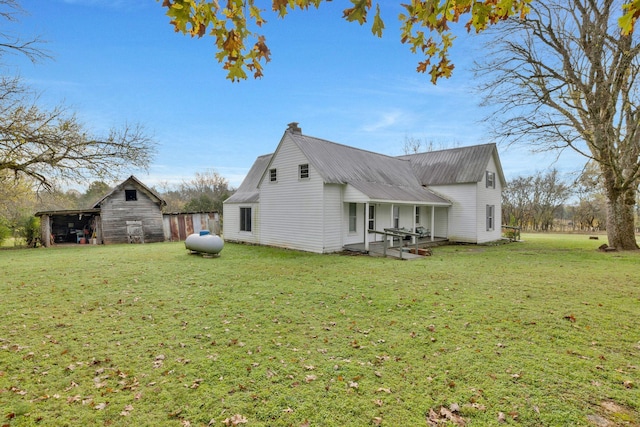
point(540, 333)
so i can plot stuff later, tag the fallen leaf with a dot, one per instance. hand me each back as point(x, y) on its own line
point(501, 417)
point(235, 420)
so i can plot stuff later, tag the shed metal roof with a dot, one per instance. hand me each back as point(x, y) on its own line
point(132, 179)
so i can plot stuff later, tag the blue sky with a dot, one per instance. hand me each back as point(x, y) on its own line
point(117, 61)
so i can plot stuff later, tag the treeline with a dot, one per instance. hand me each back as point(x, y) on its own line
point(20, 199)
point(549, 202)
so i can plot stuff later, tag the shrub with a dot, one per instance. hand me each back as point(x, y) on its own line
point(30, 230)
point(5, 231)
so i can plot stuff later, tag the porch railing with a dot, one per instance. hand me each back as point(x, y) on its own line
point(396, 232)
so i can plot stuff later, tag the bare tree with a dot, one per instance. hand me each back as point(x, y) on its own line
point(31, 48)
point(566, 78)
point(46, 145)
point(533, 202)
point(205, 192)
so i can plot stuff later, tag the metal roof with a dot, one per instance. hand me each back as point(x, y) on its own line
point(341, 164)
point(380, 177)
point(248, 190)
point(454, 166)
point(149, 192)
point(388, 193)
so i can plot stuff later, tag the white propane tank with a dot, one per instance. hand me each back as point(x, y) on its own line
point(204, 242)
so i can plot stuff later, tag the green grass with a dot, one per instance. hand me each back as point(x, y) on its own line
point(545, 332)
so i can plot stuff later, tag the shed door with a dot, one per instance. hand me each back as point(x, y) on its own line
point(134, 232)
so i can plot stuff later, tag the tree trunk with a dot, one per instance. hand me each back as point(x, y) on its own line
point(620, 220)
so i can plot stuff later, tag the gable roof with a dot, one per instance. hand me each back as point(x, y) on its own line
point(454, 166)
point(378, 176)
point(132, 179)
point(248, 190)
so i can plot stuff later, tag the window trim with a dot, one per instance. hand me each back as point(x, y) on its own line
point(371, 219)
point(246, 216)
point(353, 218)
point(491, 179)
point(273, 175)
point(303, 171)
point(396, 216)
point(491, 217)
point(131, 195)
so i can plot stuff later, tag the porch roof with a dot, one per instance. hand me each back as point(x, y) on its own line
point(390, 193)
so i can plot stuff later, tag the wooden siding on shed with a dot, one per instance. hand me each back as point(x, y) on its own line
point(177, 226)
point(115, 211)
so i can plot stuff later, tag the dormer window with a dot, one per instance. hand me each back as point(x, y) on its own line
point(130, 195)
point(273, 175)
point(303, 171)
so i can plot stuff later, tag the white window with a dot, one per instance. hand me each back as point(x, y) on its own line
point(491, 179)
point(491, 210)
point(353, 217)
point(372, 217)
point(396, 217)
point(273, 175)
point(303, 171)
point(245, 219)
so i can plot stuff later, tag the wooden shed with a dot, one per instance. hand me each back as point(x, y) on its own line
point(130, 213)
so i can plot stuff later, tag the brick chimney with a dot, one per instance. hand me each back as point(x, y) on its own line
point(294, 128)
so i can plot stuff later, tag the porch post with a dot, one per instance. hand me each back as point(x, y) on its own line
point(433, 221)
point(45, 231)
point(366, 226)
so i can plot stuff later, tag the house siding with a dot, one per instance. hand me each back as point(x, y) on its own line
point(357, 236)
point(489, 196)
point(461, 221)
point(331, 225)
point(291, 209)
point(116, 211)
point(231, 218)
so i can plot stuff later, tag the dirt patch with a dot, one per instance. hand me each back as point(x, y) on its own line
point(614, 415)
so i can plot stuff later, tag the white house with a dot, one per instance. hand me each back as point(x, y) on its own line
point(318, 196)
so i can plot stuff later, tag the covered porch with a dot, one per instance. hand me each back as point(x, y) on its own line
point(401, 250)
point(374, 222)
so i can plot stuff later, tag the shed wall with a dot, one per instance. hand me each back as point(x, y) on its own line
point(116, 211)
